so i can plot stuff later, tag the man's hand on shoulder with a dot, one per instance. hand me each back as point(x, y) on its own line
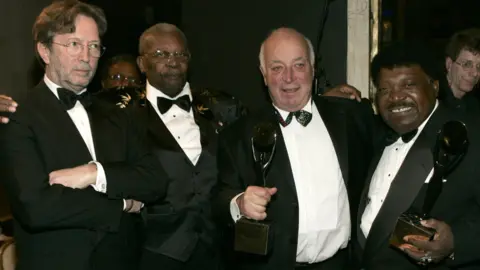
point(344, 91)
point(7, 105)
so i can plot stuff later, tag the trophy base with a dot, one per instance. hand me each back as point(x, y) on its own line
point(251, 236)
point(409, 224)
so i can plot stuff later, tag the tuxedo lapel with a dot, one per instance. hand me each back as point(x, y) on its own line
point(65, 136)
point(280, 168)
point(159, 132)
point(208, 133)
point(335, 121)
point(407, 183)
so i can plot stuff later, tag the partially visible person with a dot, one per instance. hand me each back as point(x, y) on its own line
point(408, 83)
point(462, 65)
point(75, 177)
point(315, 178)
point(121, 71)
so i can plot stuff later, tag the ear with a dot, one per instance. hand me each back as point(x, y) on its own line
point(264, 75)
point(141, 64)
point(43, 52)
point(448, 63)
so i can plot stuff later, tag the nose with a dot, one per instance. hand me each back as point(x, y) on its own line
point(396, 94)
point(172, 62)
point(288, 75)
point(84, 54)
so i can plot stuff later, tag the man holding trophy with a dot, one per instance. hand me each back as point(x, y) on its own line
point(421, 206)
point(288, 172)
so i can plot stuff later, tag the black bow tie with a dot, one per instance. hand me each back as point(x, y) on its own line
point(70, 98)
point(303, 117)
point(392, 136)
point(164, 104)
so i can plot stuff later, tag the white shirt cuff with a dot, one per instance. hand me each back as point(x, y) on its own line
point(101, 181)
point(234, 209)
point(124, 204)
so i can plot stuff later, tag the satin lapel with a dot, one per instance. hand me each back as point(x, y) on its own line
point(280, 168)
point(404, 189)
point(335, 121)
point(65, 136)
point(159, 132)
point(208, 133)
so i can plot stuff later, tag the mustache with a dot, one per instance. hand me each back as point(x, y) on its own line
point(173, 74)
point(392, 106)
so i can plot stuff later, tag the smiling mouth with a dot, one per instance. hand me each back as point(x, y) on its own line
point(291, 90)
point(401, 109)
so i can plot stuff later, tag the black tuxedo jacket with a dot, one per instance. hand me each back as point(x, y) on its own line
point(349, 125)
point(63, 228)
point(458, 204)
point(174, 226)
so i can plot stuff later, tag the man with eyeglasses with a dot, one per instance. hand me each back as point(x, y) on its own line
point(120, 72)
point(463, 71)
point(179, 231)
point(75, 176)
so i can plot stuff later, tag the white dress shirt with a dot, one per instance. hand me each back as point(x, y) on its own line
point(324, 214)
point(79, 117)
point(387, 168)
point(179, 122)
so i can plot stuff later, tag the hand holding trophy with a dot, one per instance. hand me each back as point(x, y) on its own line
point(252, 231)
point(451, 145)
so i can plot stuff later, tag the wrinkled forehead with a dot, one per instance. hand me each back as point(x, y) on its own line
point(286, 50)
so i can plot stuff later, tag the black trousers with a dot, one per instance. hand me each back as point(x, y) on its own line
point(202, 258)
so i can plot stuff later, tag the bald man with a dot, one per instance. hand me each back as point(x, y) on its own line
point(315, 178)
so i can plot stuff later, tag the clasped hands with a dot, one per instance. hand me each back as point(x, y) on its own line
point(253, 202)
point(83, 176)
point(424, 251)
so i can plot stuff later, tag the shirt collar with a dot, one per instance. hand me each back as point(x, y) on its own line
point(53, 86)
point(284, 114)
point(153, 93)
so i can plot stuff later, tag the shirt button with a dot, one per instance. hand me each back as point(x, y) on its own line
point(178, 137)
point(103, 186)
point(174, 116)
point(388, 175)
point(396, 149)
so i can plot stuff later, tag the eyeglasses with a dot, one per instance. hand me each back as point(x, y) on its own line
point(75, 48)
point(121, 78)
point(164, 56)
point(468, 65)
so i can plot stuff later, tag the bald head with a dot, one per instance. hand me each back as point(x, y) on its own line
point(285, 34)
point(159, 30)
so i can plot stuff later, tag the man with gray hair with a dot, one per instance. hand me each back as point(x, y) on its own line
point(312, 177)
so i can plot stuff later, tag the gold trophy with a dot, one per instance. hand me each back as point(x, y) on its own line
point(252, 236)
point(452, 143)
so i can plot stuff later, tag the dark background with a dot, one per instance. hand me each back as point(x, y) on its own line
point(225, 35)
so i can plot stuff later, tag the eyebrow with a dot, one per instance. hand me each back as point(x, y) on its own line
point(279, 62)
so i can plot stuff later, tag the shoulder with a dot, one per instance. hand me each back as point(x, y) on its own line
point(218, 106)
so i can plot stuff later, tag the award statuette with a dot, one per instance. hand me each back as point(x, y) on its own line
point(252, 236)
point(451, 145)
